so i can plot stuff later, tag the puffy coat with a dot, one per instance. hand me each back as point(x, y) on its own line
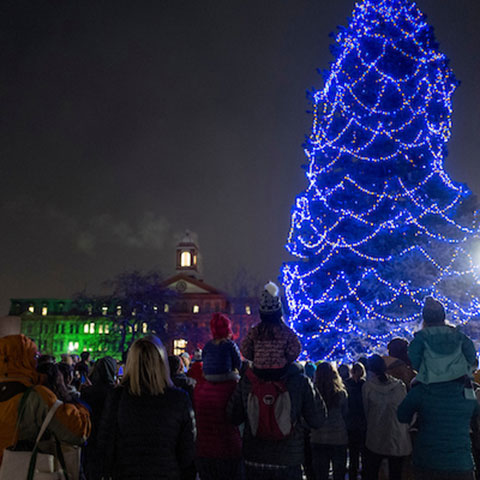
point(306, 406)
point(441, 354)
point(220, 356)
point(71, 423)
point(217, 437)
point(385, 434)
point(282, 348)
point(443, 438)
point(147, 437)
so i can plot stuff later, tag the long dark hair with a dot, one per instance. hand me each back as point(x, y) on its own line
point(329, 383)
point(376, 364)
point(54, 380)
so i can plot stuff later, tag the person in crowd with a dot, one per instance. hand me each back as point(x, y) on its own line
point(309, 369)
point(440, 352)
point(82, 368)
point(196, 368)
point(45, 359)
point(68, 377)
point(179, 378)
point(103, 381)
point(186, 361)
point(219, 446)
point(268, 458)
point(445, 411)
point(329, 442)
point(344, 372)
point(386, 437)
point(147, 430)
point(356, 422)
point(66, 358)
point(20, 379)
point(271, 345)
point(220, 356)
point(398, 363)
point(54, 380)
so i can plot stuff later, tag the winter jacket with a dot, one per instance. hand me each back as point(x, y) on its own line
point(355, 420)
point(180, 380)
point(385, 434)
point(220, 357)
point(441, 354)
point(306, 404)
point(103, 382)
point(278, 351)
point(146, 437)
point(443, 438)
point(397, 368)
point(71, 423)
point(334, 429)
point(217, 437)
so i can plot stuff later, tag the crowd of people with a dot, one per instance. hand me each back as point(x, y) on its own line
point(250, 413)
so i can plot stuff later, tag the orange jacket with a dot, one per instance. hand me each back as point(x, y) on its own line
point(71, 423)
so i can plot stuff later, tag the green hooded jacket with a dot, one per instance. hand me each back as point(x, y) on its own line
point(441, 354)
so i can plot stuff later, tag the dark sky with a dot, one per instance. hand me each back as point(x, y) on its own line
point(124, 123)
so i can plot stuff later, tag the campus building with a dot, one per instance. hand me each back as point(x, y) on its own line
point(72, 326)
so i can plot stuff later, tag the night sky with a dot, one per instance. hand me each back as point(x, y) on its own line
point(125, 123)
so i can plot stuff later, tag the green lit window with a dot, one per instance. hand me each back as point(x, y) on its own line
point(85, 328)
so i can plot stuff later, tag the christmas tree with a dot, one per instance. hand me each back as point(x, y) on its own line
point(381, 225)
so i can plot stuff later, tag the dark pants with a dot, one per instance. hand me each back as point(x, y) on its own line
point(373, 462)
point(219, 468)
point(420, 474)
point(323, 455)
point(287, 473)
point(356, 453)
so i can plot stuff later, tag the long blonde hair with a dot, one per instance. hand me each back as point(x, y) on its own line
point(147, 371)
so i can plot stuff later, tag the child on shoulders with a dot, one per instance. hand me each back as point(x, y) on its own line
point(220, 356)
point(440, 352)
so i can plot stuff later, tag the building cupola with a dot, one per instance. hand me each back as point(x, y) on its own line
point(187, 256)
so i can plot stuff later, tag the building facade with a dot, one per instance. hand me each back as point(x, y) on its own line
point(71, 326)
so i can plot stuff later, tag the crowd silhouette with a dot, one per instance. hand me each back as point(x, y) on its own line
point(245, 413)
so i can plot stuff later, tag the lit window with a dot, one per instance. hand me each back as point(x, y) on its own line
point(71, 348)
point(107, 328)
point(31, 309)
point(100, 329)
point(155, 309)
point(104, 310)
point(134, 312)
point(92, 328)
point(130, 329)
point(186, 259)
point(196, 309)
point(248, 310)
point(76, 345)
point(179, 346)
point(44, 311)
point(119, 310)
point(166, 308)
point(144, 327)
point(85, 328)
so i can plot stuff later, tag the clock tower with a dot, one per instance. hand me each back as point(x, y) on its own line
point(187, 256)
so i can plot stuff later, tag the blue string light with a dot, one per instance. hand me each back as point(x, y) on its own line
point(381, 224)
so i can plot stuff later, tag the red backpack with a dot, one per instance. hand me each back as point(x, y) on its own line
point(269, 408)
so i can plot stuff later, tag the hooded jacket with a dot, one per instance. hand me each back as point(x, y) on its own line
point(385, 434)
point(71, 423)
point(441, 354)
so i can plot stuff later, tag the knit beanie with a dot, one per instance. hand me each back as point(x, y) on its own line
point(270, 303)
point(433, 312)
point(220, 326)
